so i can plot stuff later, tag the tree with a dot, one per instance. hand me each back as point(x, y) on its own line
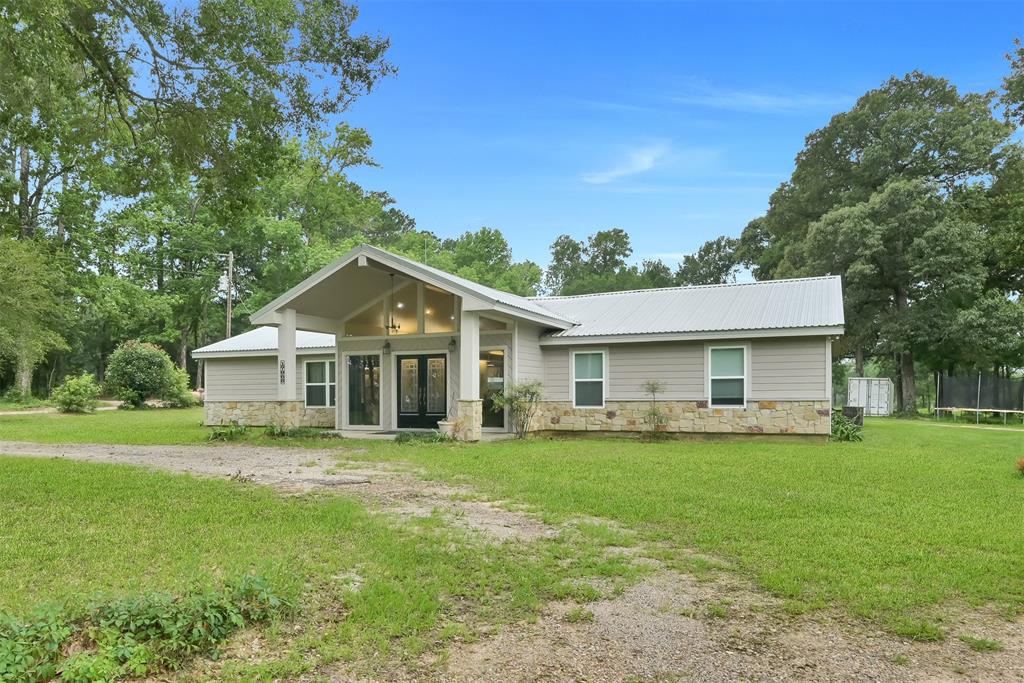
point(33, 311)
point(207, 87)
point(890, 174)
point(715, 263)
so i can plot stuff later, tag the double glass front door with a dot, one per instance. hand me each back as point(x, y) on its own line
point(422, 391)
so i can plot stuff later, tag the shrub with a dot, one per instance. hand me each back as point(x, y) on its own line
point(232, 432)
point(77, 394)
point(279, 432)
point(1020, 466)
point(178, 394)
point(138, 371)
point(522, 399)
point(130, 637)
point(654, 416)
point(423, 437)
point(845, 429)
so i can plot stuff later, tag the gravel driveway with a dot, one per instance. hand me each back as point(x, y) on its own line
point(668, 627)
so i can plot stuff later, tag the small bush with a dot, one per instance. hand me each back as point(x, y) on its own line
point(178, 393)
point(279, 432)
point(137, 372)
point(845, 429)
point(232, 432)
point(130, 637)
point(423, 437)
point(522, 399)
point(1020, 467)
point(654, 416)
point(77, 394)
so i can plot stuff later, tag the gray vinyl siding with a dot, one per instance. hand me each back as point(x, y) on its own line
point(251, 379)
point(793, 369)
point(528, 354)
point(241, 379)
point(556, 374)
point(679, 365)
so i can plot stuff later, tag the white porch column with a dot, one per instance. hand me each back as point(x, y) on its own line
point(469, 356)
point(286, 381)
point(470, 410)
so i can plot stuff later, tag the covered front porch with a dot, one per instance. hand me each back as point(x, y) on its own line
point(415, 347)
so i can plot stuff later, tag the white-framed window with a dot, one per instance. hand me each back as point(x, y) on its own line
point(588, 379)
point(321, 391)
point(727, 376)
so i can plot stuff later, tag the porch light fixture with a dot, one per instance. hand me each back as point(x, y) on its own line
point(451, 345)
point(392, 326)
point(387, 348)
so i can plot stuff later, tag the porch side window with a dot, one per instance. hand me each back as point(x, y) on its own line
point(320, 383)
point(588, 379)
point(728, 376)
point(364, 390)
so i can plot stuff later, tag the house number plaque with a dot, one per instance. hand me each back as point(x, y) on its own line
point(282, 372)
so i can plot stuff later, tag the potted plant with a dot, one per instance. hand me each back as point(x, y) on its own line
point(450, 425)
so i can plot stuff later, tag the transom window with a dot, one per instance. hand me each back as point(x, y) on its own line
point(588, 379)
point(414, 308)
point(728, 376)
point(320, 383)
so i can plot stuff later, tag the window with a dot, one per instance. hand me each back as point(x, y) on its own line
point(369, 323)
point(364, 390)
point(406, 309)
point(728, 376)
point(438, 310)
point(320, 387)
point(588, 379)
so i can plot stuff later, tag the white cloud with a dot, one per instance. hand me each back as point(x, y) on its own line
point(705, 95)
point(636, 161)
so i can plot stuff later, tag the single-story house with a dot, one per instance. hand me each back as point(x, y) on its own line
point(379, 342)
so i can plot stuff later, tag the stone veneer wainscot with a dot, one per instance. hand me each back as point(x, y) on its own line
point(263, 413)
point(758, 417)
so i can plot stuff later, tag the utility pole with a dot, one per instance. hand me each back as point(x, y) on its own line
point(231, 286)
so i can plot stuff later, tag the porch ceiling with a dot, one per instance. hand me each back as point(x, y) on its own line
point(347, 290)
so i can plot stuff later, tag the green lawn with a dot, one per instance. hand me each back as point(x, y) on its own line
point(137, 427)
point(891, 528)
point(907, 525)
point(74, 532)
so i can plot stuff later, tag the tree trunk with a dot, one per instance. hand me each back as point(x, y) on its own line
point(24, 376)
point(908, 388)
point(24, 199)
point(183, 349)
point(858, 362)
point(62, 228)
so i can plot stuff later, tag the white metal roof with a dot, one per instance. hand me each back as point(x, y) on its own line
point(265, 339)
point(772, 305)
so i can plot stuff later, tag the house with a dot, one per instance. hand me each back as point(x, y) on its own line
point(378, 342)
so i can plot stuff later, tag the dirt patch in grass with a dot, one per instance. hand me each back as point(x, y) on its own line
point(672, 627)
point(388, 486)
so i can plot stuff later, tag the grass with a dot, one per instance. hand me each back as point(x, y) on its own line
point(896, 528)
point(76, 531)
point(135, 427)
point(982, 644)
point(23, 404)
point(893, 528)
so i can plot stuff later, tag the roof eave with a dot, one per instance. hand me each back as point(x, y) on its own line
point(707, 335)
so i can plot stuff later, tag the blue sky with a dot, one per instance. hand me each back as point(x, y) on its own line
point(673, 121)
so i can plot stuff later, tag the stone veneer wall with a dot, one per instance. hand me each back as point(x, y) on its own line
point(263, 413)
point(469, 417)
point(758, 417)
